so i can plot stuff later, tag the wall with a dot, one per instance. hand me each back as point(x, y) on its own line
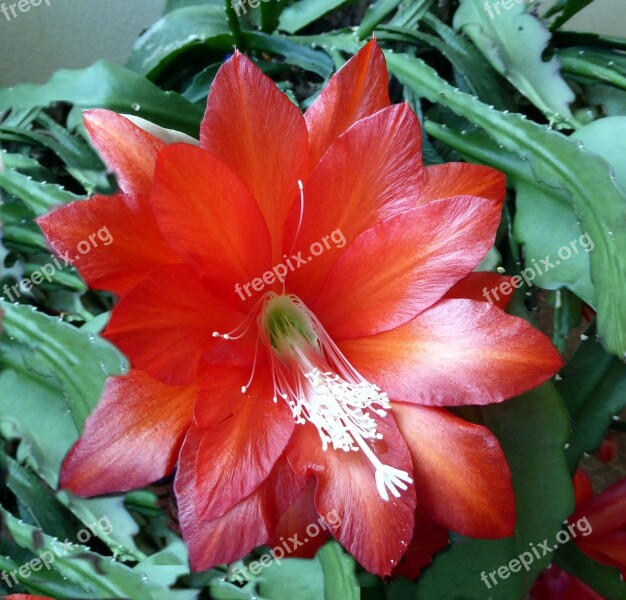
point(70, 34)
point(75, 33)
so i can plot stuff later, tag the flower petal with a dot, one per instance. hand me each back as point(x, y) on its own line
point(462, 478)
point(258, 132)
point(456, 352)
point(126, 246)
point(461, 179)
point(346, 485)
point(300, 522)
point(556, 584)
point(246, 526)
point(129, 146)
point(428, 538)
point(609, 549)
point(236, 455)
point(606, 512)
point(369, 174)
point(165, 324)
point(400, 267)
point(480, 286)
point(359, 89)
point(132, 438)
point(210, 218)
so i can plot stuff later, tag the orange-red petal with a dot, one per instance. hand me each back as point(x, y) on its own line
point(400, 267)
point(258, 132)
point(462, 478)
point(458, 179)
point(346, 485)
point(456, 352)
point(302, 521)
point(370, 173)
point(428, 538)
point(165, 324)
point(207, 214)
point(359, 89)
point(128, 150)
point(479, 286)
point(132, 438)
point(118, 235)
point(246, 526)
point(236, 455)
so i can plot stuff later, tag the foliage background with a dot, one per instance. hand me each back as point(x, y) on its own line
point(516, 92)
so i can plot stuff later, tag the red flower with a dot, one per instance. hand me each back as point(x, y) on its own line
point(606, 515)
point(602, 523)
point(323, 393)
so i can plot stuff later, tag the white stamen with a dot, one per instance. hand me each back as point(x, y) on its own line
point(323, 388)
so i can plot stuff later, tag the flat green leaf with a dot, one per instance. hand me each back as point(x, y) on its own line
point(38, 504)
point(374, 15)
point(198, 90)
point(304, 12)
point(57, 350)
point(33, 410)
point(593, 386)
point(410, 13)
point(293, 577)
point(557, 251)
point(22, 163)
point(98, 576)
point(339, 573)
point(107, 85)
point(35, 404)
point(178, 31)
point(270, 12)
point(39, 197)
point(567, 316)
point(568, 9)
point(561, 164)
point(294, 54)
point(607, 138)
point(172, 5)
point(167, 565)
point(604, 66)
point(613, 101)
point(117, 528)
point(483, 80)
point(514, 42)
point(478, 78)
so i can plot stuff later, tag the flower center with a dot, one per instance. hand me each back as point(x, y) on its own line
point(320, 386)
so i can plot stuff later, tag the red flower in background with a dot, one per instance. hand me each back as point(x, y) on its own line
point(605, 540)
point(324, 392)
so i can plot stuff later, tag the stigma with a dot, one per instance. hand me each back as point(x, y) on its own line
point(320, 386)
